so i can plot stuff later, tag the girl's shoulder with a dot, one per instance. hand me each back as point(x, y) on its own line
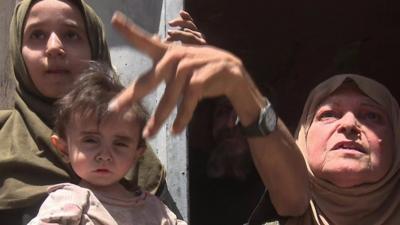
point(69, 194)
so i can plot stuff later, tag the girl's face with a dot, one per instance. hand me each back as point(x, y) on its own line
point(350, 141)
point(55, 46)
point(101, 154)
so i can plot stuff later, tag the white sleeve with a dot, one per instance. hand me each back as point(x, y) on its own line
point(174, 220)
point(64, 205)
point(180, 222)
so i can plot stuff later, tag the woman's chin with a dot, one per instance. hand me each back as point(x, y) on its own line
point(348, 177)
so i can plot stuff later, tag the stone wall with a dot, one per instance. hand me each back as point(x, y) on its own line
point(6, 83)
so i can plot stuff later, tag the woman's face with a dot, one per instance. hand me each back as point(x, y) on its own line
point(55, 46)
point(350, 141)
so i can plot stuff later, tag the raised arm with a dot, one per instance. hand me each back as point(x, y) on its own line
point(192, 73)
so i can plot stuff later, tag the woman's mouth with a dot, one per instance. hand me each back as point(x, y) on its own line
point(349, 145)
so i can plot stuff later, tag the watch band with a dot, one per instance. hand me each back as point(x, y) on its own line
point(263, 126)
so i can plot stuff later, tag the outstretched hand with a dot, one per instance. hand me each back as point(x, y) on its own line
point(191, 73)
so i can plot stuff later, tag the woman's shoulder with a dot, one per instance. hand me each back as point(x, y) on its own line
point(6, 114)
point(13, 123)
point(10, 117)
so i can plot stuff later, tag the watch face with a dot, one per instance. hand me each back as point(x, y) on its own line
point(269, 120)
point(265, 124)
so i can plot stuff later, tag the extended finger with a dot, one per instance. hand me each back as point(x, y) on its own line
point(187, 37)
point(137, 90)
point(139, 38)
point(185, 15)
point(167, 103)
point(174, 90)
point(146, 83)
point(192, 96)
point(179, 75)
point(183, 24)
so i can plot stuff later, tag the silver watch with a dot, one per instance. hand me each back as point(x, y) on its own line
point(264, 125)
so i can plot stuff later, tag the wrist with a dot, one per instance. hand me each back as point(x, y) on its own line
point(246, 99)
point(263, 126)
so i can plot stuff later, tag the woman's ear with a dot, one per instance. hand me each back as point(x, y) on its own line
point(60, 145)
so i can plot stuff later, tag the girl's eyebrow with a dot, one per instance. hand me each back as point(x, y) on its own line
point(89, 132)
point(124, 138)
point(121, 137)
point(67, 23)
point(73, 24)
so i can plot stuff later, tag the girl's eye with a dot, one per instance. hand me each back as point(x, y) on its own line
point(121, 144)
point(71, 35)
point(89, 140)
point(38, 35)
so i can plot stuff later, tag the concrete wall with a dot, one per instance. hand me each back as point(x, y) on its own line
point(6, 83)
point(152, 15)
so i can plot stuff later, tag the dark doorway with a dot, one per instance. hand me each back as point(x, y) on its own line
point(288, 47)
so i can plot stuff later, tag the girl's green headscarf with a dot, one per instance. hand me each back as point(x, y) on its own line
point(28, 161)
point(40, 104)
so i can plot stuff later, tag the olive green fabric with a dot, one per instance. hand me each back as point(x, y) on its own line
point(28, 162)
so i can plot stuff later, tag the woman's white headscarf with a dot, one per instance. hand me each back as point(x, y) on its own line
point(372, 204)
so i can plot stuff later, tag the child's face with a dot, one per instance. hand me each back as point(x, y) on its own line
point(55, 46)
point(102, 154)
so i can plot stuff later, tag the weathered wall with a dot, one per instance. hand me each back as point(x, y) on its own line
point(6, 83)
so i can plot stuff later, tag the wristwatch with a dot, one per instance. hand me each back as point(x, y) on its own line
point(264, 125)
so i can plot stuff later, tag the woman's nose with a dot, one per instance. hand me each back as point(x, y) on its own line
point(349, 125)
point(54, 46)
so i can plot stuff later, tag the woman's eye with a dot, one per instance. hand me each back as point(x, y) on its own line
point(372, 116)
point(328, 115)
point(38, 35)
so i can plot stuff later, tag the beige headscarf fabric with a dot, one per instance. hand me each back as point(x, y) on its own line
point(372, 204)
point(28, 161)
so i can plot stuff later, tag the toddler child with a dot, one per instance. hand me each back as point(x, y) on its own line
point(101, 147)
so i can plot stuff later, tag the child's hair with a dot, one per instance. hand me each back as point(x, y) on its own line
point(89, 98)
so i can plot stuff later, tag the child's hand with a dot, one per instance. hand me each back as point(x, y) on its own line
point(188, 33)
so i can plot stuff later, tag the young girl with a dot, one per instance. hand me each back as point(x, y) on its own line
point(101, 147)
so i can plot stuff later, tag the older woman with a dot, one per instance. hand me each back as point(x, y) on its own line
point(349, 135)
